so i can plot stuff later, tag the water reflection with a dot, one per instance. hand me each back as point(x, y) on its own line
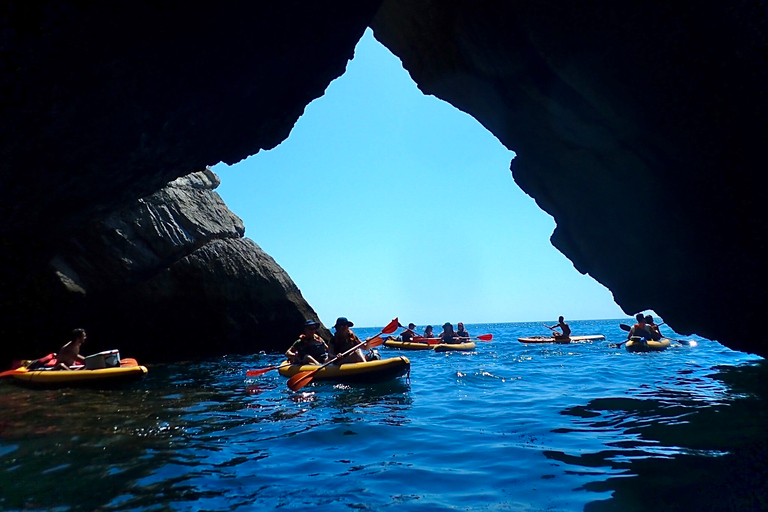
point(682, 448)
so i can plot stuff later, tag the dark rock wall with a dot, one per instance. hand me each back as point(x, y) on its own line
point(640, 127)
point(102, 103)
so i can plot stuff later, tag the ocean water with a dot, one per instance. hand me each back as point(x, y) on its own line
point(507, 427)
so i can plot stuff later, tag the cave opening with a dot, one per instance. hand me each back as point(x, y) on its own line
point(387, 202)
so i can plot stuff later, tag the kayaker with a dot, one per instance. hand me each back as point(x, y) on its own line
point(343, 340)
point(409, 333)
point(565, 335)
point(639, 330)
point(652, 328)
point(428, 332)
point(70, 352)
point(309, 348)
point(461, 332)
point(448, 335)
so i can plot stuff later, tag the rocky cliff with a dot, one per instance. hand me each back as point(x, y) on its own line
point(172, 276)
point(640, 127)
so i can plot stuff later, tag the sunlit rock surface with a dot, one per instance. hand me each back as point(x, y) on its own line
point(640, 127)
point(175, 266)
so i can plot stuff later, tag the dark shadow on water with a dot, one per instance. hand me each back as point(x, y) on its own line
point(680, 450)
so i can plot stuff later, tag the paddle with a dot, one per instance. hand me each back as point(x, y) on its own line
point(301, 379)
point(15, 371)
point(482, 337)
point(625, 327)
point(262, 371)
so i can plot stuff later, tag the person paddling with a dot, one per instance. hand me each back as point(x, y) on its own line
point(343, 340)
point(652, 328)
point(408, 334)
point(565, 335)
point(309, 348)
point(639, 329)
point(69, 354)
point(448, 335)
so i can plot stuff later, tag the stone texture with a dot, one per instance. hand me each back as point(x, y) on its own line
point(173, 275)
point(640, 127)
point(102, 103)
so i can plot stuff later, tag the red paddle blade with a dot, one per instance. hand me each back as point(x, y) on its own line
point(485, 337)
point(300, 380)
point(13, 372)
point(433, 341)
point(375, 342)
point(260, 371)
point(391, 327)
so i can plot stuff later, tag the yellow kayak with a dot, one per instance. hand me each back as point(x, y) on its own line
point(370, 371)
point(448, 347)
point(63, 378)
point(408, 345)
point(648, 346)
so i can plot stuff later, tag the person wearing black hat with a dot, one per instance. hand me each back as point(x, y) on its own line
point(343, 340)
point(448, 336)
point(309, 348)
point(409, 333)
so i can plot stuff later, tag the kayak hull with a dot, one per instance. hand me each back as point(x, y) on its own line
point(648, 346)
point(550, 339)
point(407, 345)
point(450, 347)
point(368, 372)
point(102, 377)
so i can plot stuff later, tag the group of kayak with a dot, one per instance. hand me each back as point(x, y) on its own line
point(344, 363)
point(342, 360)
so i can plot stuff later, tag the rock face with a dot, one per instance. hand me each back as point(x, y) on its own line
point(102, 103)
point(171, 275)
point(641, 128)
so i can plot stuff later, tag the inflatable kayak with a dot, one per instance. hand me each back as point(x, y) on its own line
point(49, 378)
point(368, 372)
point(448, 347)
point(408, 345)
point(647, 346)
point(550, 339)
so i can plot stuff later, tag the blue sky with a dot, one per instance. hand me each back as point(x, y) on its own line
point(384, 202)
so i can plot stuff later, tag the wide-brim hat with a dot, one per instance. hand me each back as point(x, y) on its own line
point(343, 321)
point(447, 324)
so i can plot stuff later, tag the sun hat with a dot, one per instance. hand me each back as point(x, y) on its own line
point(342, 320)
point(447, 324)
point(311, 323)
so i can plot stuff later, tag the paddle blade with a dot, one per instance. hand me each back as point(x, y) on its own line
point(300, 380)
point(625, 327)
point(433, 341)
point(375, 342)
point(260, 371)
point(485, 337)
point(8, 373)
point(391, 327)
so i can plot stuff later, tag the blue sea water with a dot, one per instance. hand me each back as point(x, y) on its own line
point(507, 427)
